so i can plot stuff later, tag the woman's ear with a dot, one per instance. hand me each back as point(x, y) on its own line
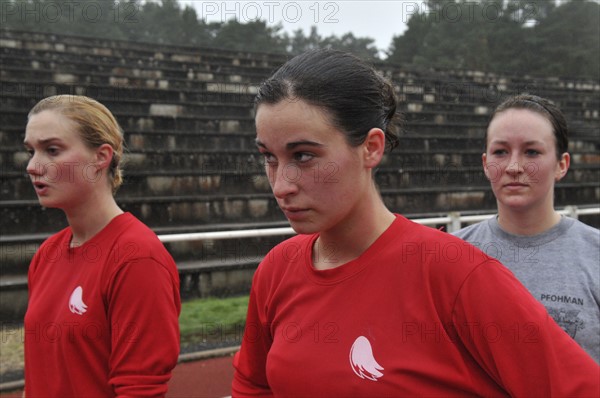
point(484, 164)
point(563, 166)
point(104, 156)
point(374, 147)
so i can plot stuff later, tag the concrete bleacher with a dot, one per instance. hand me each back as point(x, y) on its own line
point(191, 163)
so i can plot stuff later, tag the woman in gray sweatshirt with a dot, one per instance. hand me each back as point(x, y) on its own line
point(557, 258)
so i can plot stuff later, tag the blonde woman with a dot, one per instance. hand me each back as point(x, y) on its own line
point(104, 298)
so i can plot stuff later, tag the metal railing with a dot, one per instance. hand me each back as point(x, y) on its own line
point(453, 222)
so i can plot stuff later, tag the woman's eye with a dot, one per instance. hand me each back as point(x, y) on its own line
point(269, 158)
point(52, 150)
point(303, 157)
point(29, 152)
point(499, 152)
point(532, 152)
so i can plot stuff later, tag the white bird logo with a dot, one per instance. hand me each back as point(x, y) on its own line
point(76, 304)
point(362, 361)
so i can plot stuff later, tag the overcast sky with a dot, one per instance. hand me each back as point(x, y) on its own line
point(377, 19)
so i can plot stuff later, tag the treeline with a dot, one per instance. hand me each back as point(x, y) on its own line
point(166, 22)
point(535, 37)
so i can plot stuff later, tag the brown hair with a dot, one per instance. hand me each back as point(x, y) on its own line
point(545, 108)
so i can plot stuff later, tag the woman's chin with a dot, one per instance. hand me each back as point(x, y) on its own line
point(303, 228)
point(45, 202)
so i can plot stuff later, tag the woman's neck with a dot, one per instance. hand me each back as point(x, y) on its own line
point(527, 223)
point(88, 220)
point(348, 240)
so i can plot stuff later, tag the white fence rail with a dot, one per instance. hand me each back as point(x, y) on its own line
point(453, 222)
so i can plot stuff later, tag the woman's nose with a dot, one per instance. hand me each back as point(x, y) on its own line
point(34, 167)
point(284, 180)
point(515, 167)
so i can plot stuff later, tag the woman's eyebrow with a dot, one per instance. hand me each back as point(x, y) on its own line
point(294, 144)
point(291, 145)
point(506, 142)
point(42, 141)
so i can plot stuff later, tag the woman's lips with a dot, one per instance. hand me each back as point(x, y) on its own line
point(515, 185)
point(294, 213)
point(40, 188)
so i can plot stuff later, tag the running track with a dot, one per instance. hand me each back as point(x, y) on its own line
point(208, 378)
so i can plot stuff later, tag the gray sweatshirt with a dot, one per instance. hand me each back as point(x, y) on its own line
point(560, 267)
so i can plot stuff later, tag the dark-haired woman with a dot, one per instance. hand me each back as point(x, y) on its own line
point(363, 302)
point(557, 258)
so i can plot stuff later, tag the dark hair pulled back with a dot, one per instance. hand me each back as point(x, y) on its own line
point(351, 92)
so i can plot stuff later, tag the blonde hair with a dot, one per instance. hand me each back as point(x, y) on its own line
point(96, 126)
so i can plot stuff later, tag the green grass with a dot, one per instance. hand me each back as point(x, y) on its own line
point(213, 320)
point(204, 323)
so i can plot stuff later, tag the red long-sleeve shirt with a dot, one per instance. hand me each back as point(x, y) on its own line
point(102, 319)
point(419, 313)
